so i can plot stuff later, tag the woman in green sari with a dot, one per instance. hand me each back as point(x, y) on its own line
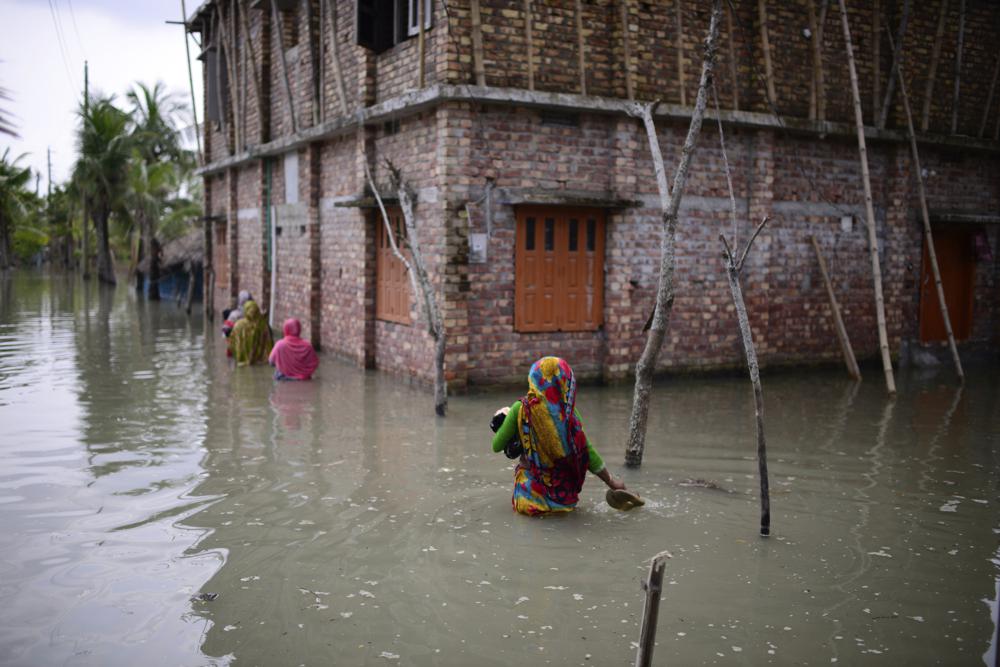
point(251, 339)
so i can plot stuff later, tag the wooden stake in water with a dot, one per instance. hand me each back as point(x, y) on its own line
point(653, 587)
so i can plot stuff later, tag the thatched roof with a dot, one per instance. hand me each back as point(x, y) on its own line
point(186, 251)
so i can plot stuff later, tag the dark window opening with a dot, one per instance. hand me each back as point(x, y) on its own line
point(381, 24)
point(573, 242)
point(529, 234)
point(550, 234)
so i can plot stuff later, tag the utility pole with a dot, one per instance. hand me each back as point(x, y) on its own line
point(48, 192)
point(86, 207)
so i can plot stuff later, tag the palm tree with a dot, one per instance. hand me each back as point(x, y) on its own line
point(14, 200)
point(157, 169)
point(105, 146)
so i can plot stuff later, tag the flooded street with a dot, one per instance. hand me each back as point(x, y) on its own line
point(339, 522)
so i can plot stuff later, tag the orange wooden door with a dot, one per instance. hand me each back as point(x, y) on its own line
point(957, 262)
point(392, 284)
point(559, 269)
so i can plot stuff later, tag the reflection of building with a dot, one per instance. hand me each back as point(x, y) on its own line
point(536, 195)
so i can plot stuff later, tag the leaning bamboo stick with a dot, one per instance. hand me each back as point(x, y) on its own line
point(627, 49)
point(925, 115)
point(772, 96)
point(254, 67)
point(838, 321)
point(989, 99)
point(820, 75)
point(876, 56)
point(890, 86)
point(816, 57)
point(478, 64)
point(680, 51)
point(925, 215)
point(335, 56)
point(883, 336)
point(528, 44)
point(580, 52)
point(284, 64)
point(421, 45)
point(321, 85)
point(733, 71)
point(958, 67)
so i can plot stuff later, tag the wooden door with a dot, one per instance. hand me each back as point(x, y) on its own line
point(559, 269)
point(957, 262)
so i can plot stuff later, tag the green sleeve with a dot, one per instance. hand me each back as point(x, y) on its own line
point(508, 430)
point(596, 462)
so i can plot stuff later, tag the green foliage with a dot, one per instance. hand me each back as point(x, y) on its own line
point(17, 203)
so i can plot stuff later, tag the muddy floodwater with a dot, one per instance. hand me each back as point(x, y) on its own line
point(159, 508)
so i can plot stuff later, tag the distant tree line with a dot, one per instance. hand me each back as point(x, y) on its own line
point(132, 185)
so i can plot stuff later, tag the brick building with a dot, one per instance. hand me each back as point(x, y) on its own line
point(537, 208)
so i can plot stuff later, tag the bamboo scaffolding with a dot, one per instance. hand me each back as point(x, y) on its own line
point(255, 66)
point(925, 114)
point(838, 321)
point(816, 57)
point(928, 234)
point(276, 17)
point(626, 48)
point(820, 72)
point(890, 86)
point(733, 71)
point(958, 67)
point(772, 96)
point(421, 44)
point(580, 52)
point(529, 45)
point(989, 99)
point(478, 64)
point(335, 55)
point(679, 13)
point(876, 56)
point(226, 56)
point(869, 207)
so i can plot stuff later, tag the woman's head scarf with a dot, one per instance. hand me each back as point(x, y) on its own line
point(251, 338)
point(292, 356)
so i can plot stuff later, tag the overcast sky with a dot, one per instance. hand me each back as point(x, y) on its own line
point(123, 40)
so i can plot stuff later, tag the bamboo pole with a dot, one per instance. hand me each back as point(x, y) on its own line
point(989, 99)
point(890, 86)
point(651, 609)
point(733, 269)
point(876, 56)
point(421, 45)
point(194, 105)
point(279, 28)
point(733, 71)
point(627, 48)
point(883, 336)
point(820, 72)
point(928, 234)
point(225, 55)
point(529, 45)
point(816, 56)
point(772, 96)
point(958, 67)
point(580, 53)
point(321, 85)
point(925, 114)
point(255, 68)
point(335, 56)
point(680, 51)
point(670, 200)
point(478, 64)
point(838, 321)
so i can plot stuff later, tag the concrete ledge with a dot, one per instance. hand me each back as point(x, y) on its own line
point(515, 196)
point(965, 217)
point(437, 94)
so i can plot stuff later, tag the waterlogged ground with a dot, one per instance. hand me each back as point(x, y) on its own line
point(338, 522)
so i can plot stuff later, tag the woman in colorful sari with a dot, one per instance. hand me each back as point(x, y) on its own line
point(556, 453)
point(292, 357)
point(251, 338)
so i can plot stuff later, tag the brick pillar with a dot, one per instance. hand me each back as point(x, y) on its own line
point(365, 142)
point(622, 322)
point(233, 232)
point(263, 215)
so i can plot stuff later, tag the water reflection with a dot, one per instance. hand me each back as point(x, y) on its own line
point(337, 521)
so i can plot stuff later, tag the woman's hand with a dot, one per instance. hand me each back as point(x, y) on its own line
point(611, 481)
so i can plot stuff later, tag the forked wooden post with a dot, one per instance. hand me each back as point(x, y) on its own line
point(651, 610)
point(733, 268)
point(883, 336)
point(838, 321)
point(928, 234)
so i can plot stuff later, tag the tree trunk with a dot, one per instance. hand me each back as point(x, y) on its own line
point(5, 259)
point(154, 269)
point(105, 268)
point(140, 276)
point(669, 204)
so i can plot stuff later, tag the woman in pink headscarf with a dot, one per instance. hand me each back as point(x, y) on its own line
point(292, 357)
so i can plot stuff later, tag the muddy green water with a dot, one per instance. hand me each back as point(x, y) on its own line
point(339, 522)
